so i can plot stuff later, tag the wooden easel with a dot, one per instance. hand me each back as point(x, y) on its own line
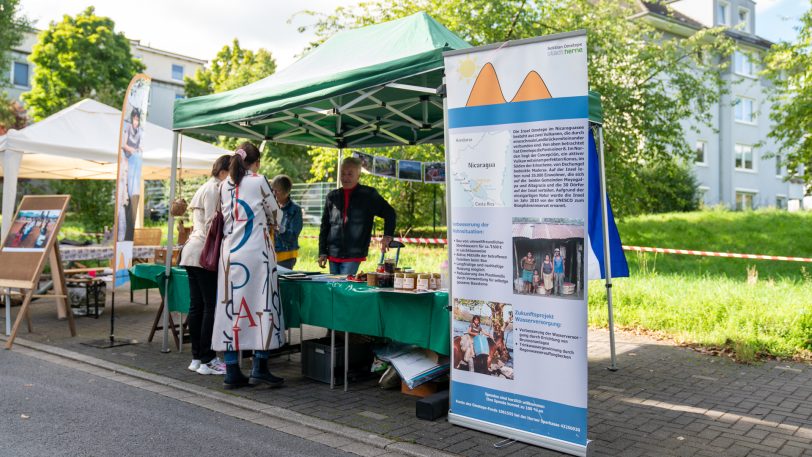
point(22, 269)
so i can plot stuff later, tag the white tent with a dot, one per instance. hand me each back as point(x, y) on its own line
point(81, 142)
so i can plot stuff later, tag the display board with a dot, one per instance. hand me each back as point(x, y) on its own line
point(516, 173)
point(31, 237)
point(31, 241)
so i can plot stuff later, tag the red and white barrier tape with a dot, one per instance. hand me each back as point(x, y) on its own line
point(404, 240)
point(633, 248)
point(716, 254)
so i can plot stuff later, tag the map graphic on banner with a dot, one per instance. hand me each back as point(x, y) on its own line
point(128, 184)
point(517, 129)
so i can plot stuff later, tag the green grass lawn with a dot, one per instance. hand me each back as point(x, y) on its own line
point(705, 301)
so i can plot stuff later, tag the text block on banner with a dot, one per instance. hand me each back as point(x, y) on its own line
point(516, 142)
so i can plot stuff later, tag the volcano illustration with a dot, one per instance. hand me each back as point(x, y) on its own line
point(488, 91)
point(532, 88)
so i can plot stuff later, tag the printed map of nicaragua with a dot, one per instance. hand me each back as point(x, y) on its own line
point(479, 160)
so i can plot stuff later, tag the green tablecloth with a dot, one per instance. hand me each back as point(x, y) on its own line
point(420, 319)
point(153, 276)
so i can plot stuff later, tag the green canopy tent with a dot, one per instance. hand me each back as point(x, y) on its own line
point(376, 86)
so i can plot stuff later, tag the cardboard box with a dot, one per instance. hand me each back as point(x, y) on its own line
point(423, 390)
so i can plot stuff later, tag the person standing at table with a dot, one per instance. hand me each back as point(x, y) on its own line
point(286, 242)
point(202, 282)
point(347, 219)
point(249, 311)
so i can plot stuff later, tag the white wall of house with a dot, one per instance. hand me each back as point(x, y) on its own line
point(737, 168)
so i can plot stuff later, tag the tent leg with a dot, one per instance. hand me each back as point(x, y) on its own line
point(170, 240)
point(338, 168)
point(8, 312)
point(607, 264)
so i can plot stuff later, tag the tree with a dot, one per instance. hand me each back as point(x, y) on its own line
point(649, 82)
point(79, 57)
point(12, 26)
point(235, 67)
point(91, 202)
point(789, 66)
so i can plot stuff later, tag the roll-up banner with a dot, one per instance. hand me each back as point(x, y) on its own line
point(516, 142)
point(128, 184)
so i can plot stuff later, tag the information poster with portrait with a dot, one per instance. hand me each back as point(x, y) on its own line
point(517, 125)
point(128, 184)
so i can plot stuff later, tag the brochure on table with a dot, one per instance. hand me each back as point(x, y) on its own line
point(516, 142)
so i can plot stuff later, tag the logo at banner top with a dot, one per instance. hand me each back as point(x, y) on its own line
point(488, 91)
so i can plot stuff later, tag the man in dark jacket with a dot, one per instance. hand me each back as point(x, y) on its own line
point(346, 222)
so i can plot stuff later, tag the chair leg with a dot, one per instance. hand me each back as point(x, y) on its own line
point(131, 296)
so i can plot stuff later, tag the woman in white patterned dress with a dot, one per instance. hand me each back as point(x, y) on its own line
point(249, 311)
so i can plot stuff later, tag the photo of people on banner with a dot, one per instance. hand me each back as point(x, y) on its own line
point(404, 170)
point(483, 337)
point(129, 172)
point(548, 257)
point(31, 230)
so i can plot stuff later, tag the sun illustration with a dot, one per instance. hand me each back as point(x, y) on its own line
point(467, 68)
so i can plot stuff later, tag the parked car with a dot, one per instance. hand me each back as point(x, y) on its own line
point(159, 212)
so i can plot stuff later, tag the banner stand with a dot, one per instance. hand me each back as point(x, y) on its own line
point(522, 436)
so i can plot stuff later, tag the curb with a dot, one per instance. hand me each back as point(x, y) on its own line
point(275, 412)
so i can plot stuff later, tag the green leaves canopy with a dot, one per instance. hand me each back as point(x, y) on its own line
point(789, 67)
point(79, 57)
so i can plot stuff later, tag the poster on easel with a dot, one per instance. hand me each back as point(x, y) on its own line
point(516, 174)
point(128, 182)
point(29, 244)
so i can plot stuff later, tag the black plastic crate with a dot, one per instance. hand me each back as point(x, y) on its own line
point(316, 360)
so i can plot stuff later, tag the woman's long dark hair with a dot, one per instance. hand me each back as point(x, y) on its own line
point(239, 166)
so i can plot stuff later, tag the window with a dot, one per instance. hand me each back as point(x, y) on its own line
point(700, 149)
point(722, 11)
point(20, 74)
point(742, 64)
point(744, 157)
point(177, 72)
point(745, 200)
point(744, 19)
point(781, 202)
point(179, 96)
point(778, 166)
point(745, 110)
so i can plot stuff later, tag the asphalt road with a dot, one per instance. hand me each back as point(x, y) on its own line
point(50, 410)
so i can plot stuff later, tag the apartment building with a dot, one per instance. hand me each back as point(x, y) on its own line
point(167, 70)
point(735, 161)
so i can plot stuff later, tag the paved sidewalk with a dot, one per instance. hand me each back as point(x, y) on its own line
point(664, 400)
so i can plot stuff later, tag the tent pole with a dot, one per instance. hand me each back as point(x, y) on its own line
point(173, 172)
point(338, 167)
point(11, 169)
point(607, 264)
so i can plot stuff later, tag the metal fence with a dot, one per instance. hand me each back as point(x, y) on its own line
point(310, 196)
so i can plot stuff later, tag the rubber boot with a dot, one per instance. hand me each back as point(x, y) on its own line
point(261, 375)
point(234, 378)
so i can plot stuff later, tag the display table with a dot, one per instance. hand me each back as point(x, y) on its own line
point(153, 276)
point(97, 252)
point(419, 319)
